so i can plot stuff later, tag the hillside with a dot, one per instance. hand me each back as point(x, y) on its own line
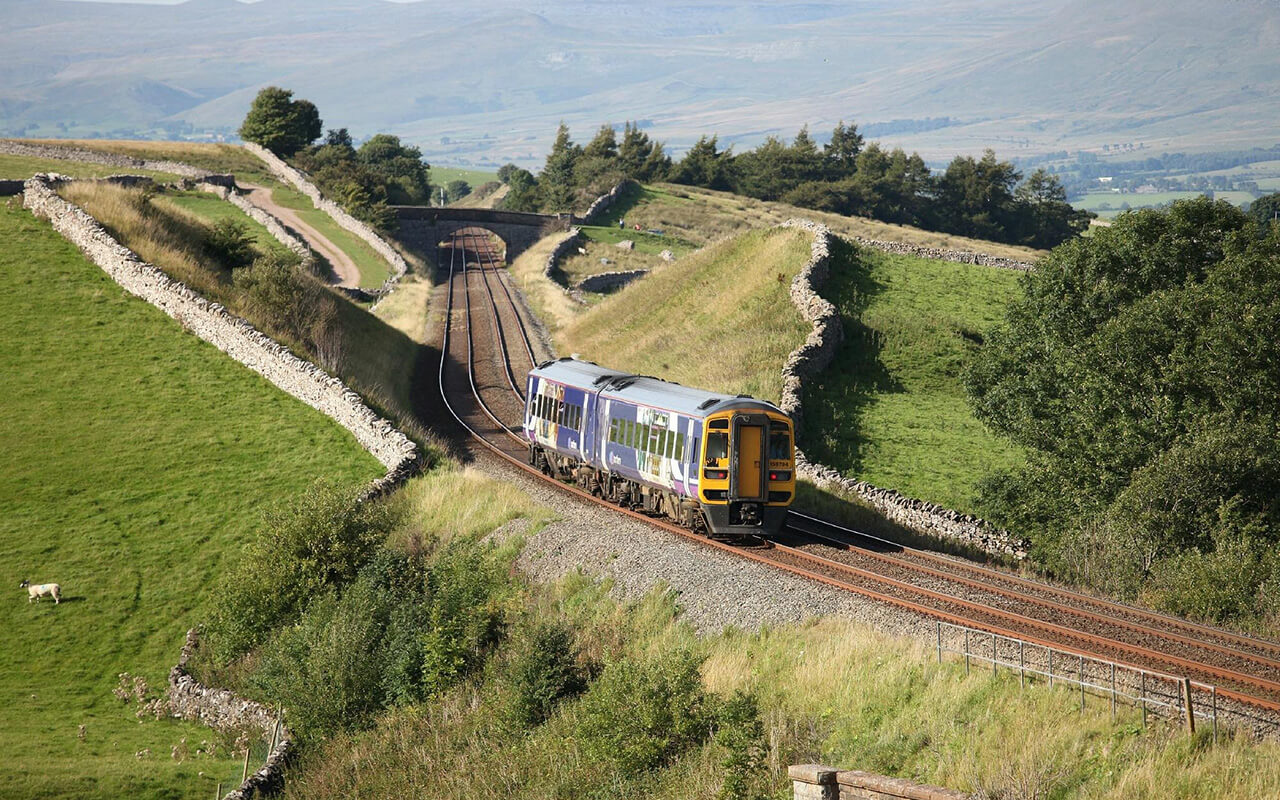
point(138, 461)
point(941, 78)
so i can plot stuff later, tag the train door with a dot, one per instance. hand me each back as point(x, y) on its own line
point(747, 459)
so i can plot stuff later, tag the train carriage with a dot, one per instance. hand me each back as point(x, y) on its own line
point(718, 463)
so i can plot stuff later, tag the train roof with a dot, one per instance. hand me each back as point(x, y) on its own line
point(643, 389)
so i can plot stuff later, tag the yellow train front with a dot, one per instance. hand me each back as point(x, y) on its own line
point(718, 463)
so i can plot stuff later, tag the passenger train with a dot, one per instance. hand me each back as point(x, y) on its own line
point(720, 464)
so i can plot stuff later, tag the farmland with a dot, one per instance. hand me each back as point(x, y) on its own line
point(139, 460)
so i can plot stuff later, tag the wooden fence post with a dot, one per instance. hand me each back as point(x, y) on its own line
point(1186, 704)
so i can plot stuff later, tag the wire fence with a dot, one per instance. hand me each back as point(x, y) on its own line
point(1154, 693)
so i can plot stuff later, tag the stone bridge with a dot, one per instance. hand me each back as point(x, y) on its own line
point(424, 227)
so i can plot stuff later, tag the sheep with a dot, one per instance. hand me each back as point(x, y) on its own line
point(42, 590)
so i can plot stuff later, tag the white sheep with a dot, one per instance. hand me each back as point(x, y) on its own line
point(42, 590)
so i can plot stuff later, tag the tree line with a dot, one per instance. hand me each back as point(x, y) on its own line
point(983, 198)
point(366, 181)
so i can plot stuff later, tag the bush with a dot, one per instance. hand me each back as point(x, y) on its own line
point(741, 735)
point(318, 544)
point(295, 306)
point(543, 670)
point(230, 244)
point(642, 714)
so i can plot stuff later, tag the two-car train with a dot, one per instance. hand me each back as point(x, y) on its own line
point(716, 463)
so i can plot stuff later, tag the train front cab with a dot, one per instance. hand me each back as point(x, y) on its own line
point(748, 472)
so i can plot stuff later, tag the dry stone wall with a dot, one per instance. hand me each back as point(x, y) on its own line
point(940, 254)
point(609, 281)
point(344, 220)
point(223, 711)
point(12, 148)
point(605, 201)
point(813, 357)
point(213, 323)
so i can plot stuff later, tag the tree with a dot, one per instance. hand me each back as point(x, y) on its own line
point(522, 191)
point(975, 197)
point(279, 123)
point(557, 181)
point(456, 190)
point(1141, 374)
point(399, 167)
point(704, 165)
point(1266, 210)
point(1047, 218)
point(505, 172)
point(841, 153)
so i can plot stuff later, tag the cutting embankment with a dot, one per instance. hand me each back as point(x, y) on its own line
point(139, 460)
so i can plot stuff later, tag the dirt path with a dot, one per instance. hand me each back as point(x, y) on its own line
point(346, 271)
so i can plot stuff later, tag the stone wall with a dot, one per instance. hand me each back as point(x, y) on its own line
point(344, 220)
point(605, 201)
point(816, 782)
point(275, 227)
point(225, 712)
point(63, 153)
point(213, 323)
point(939, 254)
point(609, 281)
point(815, 355)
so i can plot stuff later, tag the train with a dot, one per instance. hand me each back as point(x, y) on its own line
point(719, 464)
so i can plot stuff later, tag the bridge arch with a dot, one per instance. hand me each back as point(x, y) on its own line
point(423, 227)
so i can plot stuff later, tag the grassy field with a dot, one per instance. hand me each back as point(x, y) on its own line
point(698, 321)
point(213, 209)
point(891, 408)
point(1109, 204)
point(23, 167)
point(475, 177)
point(247, 168)
point(138, 461)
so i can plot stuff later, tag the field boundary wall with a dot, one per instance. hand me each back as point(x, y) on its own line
point(339, 215)
point(223, 711)
point(62, 153)
point(605, 201)
point(814, 356)
point(942, 254)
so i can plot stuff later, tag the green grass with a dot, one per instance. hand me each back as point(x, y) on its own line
point(475, 177)
point(221, 158)
point(829, 691)
point(138, 460)
point(1109, 204)
point(374, 269)
point(214, 209)
point(891, 409)
point(23, 167)
point(720, 319)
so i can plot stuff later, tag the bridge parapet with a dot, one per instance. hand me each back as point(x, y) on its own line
point(424, 227)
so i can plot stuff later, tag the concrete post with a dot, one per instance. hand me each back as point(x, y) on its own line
point(813, 782)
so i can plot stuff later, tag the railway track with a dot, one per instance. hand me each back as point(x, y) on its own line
point(485, 353)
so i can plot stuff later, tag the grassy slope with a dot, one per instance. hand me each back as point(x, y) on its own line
point(699, 320)
point(247, 168)
point(138, 460)
point(23, 167)
point(213, 209)
point(891, 408)
point(475, 177)
point(830, 692)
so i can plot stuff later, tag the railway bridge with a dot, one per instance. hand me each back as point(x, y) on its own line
point(426, 227)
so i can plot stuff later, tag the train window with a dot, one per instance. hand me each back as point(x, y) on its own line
point(626, 432)
point(613, 430)
point(662, 442)
point(779, 445)
point(671, 444)
point(679, 456)
point(718, 423)
point(693, 449)
point(717, 446)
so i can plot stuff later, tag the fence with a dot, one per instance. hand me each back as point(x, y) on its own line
point(1152, 692)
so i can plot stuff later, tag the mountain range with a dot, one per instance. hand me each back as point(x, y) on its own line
point(485, 83)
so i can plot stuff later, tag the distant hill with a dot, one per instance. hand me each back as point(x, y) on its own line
point(487, 83)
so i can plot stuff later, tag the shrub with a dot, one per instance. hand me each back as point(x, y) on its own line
point(741, 735)
point(464, 616)
point(230, 244)
point(317, 544)
point(544, 669)
point(640, 715)
point(295, 305)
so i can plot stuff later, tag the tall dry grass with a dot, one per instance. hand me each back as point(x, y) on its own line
point(719, 319)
